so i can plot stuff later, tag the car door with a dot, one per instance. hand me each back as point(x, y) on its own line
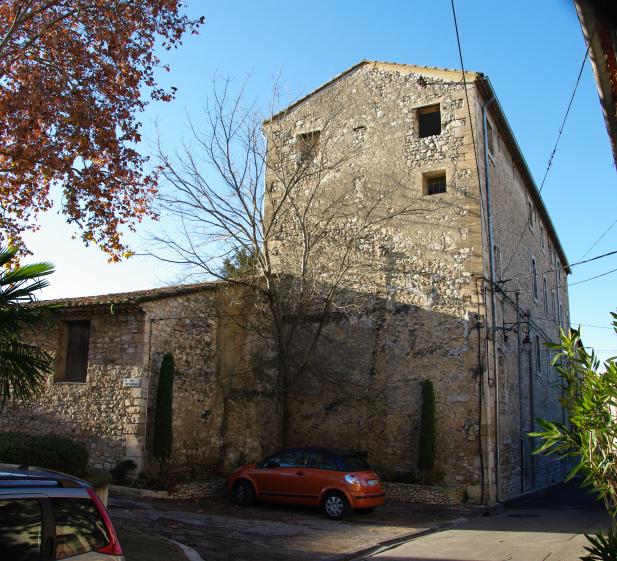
point(321, 472)
point(278, 479)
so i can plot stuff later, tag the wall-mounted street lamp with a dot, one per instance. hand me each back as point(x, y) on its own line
point(524, 328)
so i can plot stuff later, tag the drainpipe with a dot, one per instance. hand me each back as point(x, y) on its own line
point(491, 251)
point(519, 359)
point(532, 410)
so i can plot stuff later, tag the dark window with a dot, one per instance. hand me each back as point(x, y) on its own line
point(429, 121)
point(545, 287)
point(78, 340)
point(308, 146)
point(538, 359)
point(489, 138)
point(79, 527)
point(353, 462)
point(20, 530)
point(435, 184)
point(534, 276)
point(288, 459)
point(320, 461)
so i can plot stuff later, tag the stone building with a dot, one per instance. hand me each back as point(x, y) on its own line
point(108, 350)
point(466, 285)
point(462, 288)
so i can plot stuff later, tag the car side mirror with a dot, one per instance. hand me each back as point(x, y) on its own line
point(273, 465)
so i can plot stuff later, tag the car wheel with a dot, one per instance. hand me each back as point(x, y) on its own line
point(364, 510)
point(335, 506)
point(243, 493)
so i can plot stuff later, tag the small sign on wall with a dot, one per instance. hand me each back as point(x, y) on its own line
point(131, 383)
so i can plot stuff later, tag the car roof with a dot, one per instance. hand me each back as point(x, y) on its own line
point(323, 449)
point(13, 475)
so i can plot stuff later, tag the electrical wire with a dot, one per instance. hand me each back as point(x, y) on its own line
point(551, 157)
point(598, 240)
point(551, 270)
point(473, 136)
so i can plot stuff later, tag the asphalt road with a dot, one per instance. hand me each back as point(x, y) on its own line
point(550, 527)
point(220, 531)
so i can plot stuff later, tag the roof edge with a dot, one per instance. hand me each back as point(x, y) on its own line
point(488, 92)
point(469, 76)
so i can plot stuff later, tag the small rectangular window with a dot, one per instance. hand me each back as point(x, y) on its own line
point(73, 354)
point(542, 242)
point(307, 146)
point(545, 288)
point(435, 183)
point(530, 216)
point(489, 138)
point(429, 121)
point(538, 356)
point(534, 277)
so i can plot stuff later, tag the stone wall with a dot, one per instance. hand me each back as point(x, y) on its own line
point(101, 413)
point(428, 494)
point(222, 401)
point(402, 492)
point(531, 390)
point(413, 280)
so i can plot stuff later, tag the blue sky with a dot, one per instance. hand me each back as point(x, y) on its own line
point(531, 50)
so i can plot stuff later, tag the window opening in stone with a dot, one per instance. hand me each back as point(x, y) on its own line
point(435, 183)
point(489, 138)
point(429, 121)
point(545, 288)
point(76, 349)
point(308, 146)
point(534, 276)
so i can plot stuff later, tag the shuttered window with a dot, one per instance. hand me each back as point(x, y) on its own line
point(78, 339)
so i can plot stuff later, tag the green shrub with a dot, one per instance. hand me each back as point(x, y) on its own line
point(162, 417)
point(426, 456)
point(48, 451)
point(121, 469)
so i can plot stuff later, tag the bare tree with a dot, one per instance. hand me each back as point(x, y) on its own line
point(282, 213)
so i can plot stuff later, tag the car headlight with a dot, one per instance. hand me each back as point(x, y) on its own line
point(352, 479)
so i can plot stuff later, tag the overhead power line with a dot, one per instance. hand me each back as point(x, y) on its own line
point(598, 240)
point(551, 157)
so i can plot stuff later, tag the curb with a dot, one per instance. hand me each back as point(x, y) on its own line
point(380, 547)
point(135, 492)
point(189, 552)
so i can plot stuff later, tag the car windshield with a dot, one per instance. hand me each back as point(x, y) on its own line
point(354, 462)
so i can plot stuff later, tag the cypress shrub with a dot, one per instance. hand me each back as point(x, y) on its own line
point(426, 457)
point(162, 416)
point(48, 451)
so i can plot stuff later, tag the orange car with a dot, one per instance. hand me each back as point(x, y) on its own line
point(336, 480)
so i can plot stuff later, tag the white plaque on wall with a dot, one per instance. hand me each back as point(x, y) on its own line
point(131, 382)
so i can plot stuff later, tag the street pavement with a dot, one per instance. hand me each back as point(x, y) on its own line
point(550, 527)
point(216, 530)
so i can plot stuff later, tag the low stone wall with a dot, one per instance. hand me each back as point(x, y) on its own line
point(193, 489)
point(429, 494)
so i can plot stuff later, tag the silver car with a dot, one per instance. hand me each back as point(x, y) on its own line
point(46, 515)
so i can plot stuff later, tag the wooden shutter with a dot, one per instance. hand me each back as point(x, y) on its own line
point(77, 351)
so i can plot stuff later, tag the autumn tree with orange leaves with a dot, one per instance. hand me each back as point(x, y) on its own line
point(74, 74)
